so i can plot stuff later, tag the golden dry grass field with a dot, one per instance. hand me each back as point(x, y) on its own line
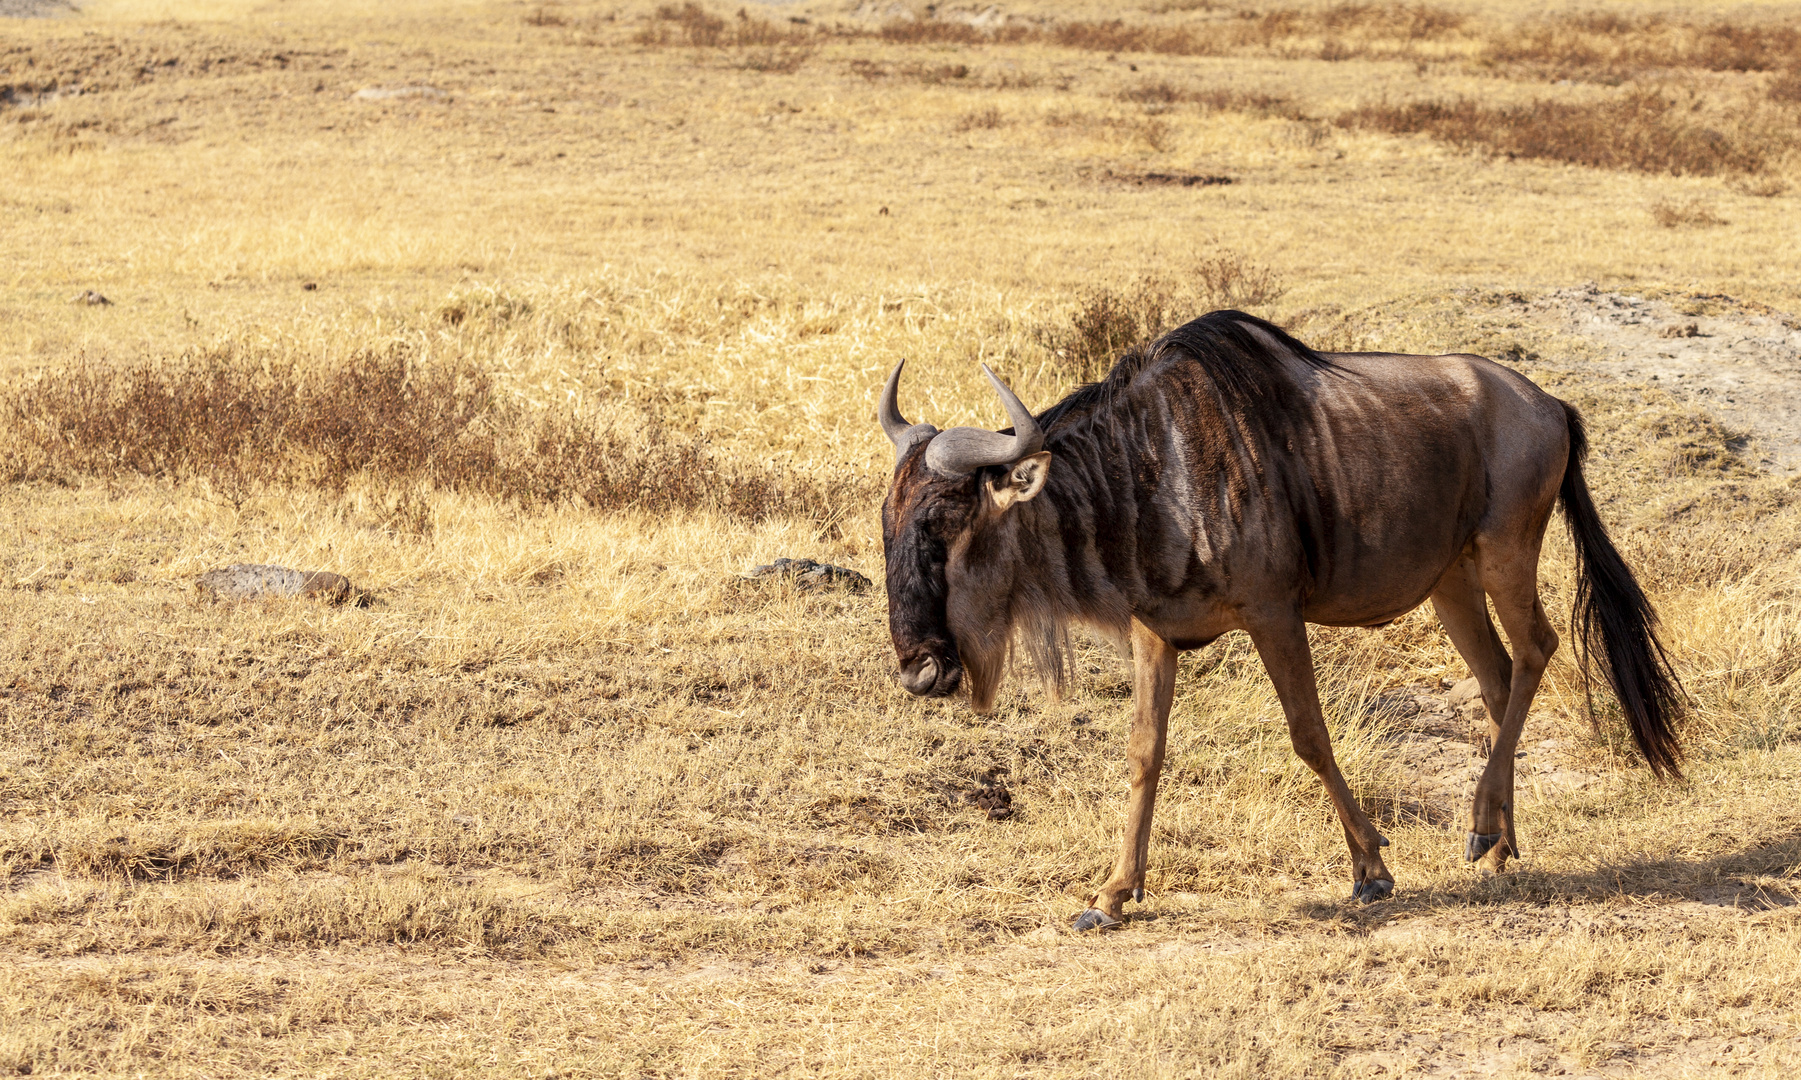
point(543, 322)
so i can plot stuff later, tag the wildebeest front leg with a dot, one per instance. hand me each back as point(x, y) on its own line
point(1153, 688)
point(1286, 656)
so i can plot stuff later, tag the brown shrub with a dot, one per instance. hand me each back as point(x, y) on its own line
point(780, 59)
point(1212, 98)
point(983, 119)
point(1231, 280)
point(699, 27)
point(1671, 214)
point(1105, 324)
point(1614, 46)
point(933, 32)
point(930, 74)
point(768, 46)
point(1108, 322)
point(1412, 22)
point(1786, 87)
point(1762, 187)
point(1116, 36)
point(380, 417)
point(1641, 131)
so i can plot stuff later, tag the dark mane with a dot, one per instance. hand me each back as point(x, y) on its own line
point(1241, 365)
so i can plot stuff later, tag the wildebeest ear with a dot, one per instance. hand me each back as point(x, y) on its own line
point(1024, 479)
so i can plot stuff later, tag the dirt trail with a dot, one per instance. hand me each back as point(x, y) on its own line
point(1742, 365)
point(36, 9)
point(1441, 735)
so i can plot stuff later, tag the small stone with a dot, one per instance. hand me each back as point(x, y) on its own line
point(251, 581)
point(1465, 692)
point(389, 93)
point(811, 576)
point(92, 299)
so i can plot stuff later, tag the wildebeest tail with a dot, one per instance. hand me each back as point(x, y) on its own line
point(1615, 626)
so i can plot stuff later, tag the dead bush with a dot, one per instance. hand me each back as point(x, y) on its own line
point(241, 425)
point(699, 27)
point(778, 59)
point(982, 119)
point(1671, 214)
point(1642, 131)
point(1158, 134)
point(1230, 280)
point(1349, 30)
point(1154, 95)
point(934, 32)
point(764, 45)
point(1107, 322)
point(929, 74)
point(1786, 87)
point(1117, 36)
point(1410, 22)
point(1761, 187)
point(1610, 46)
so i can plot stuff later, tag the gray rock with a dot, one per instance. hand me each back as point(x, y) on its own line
point(1465, 692)
point(812, 576)
point(390, 93)
point(35, 9)
point(249, 581)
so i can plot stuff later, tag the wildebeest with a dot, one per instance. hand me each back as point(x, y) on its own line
point(1228, 477)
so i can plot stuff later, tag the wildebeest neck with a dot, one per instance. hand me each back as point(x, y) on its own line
point(1183, 450)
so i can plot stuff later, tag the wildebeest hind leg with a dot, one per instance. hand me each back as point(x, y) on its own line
point(1282, 644)
point(1510, 576)
point(1462, 609)
point(1153, 689)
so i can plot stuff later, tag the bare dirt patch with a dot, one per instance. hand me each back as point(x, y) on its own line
point(1741, 362)
point(35, 9)
point(1444, 744)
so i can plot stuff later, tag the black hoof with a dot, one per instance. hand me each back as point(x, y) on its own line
point(1479, 844)
point(1370, 891)
point(1138, 895)
point(1095, 919)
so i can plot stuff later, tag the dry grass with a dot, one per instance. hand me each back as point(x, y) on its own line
point(242, 424)
point(601, 327)
point(1645, 131)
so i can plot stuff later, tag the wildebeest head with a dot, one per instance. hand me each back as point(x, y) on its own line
point(943, 525)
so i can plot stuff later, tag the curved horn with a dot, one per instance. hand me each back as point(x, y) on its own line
point(963, 450)
point(888, 411)
point(902, 433)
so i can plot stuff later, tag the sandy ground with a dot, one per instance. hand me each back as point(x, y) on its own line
point(35, 9)
point(1740, 363)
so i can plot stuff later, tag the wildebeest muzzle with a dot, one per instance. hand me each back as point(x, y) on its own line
point(931, 675)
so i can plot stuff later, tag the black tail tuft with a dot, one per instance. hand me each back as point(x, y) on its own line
point(1615, 625)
